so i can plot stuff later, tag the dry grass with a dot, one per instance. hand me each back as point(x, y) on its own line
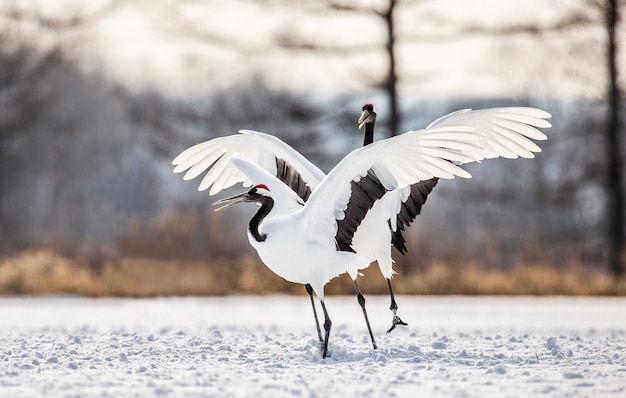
point(46, 272)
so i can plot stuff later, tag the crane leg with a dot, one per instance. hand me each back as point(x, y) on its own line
point(395, 321)
point(327, 325)
point(361, 301)
point(309, 290)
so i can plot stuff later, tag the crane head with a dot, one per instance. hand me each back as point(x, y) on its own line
point(257, 194)
point(367, 115)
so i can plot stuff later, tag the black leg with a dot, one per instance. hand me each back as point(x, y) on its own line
point(361, 301)
point(395, 321)
point(309, 290)
point(327, 325)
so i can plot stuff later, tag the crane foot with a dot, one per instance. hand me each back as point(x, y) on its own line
point(395, 322)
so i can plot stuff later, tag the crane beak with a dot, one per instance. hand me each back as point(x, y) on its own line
point(366, 117)
point(231, 201)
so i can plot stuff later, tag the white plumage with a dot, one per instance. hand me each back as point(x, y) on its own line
point(506, 131)
point(213, 157)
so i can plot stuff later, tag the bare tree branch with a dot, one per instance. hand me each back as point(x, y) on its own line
point(292, 42)
point(570, 22)
point(59, 23)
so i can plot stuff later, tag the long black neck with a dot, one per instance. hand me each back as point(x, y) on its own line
point(369, 134)
point(266, 206)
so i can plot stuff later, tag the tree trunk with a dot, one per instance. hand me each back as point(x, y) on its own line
point(615, 205)
point(391, 82)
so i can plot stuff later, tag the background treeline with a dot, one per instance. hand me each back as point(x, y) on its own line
point(88, 202)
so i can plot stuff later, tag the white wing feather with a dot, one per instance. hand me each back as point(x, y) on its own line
point(213, 157)
point(506, 131)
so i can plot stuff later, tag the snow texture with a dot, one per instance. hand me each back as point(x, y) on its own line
point(267, 347)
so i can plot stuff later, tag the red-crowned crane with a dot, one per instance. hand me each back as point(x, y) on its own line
point(504, 131)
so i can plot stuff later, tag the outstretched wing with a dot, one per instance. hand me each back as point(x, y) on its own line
point(339, 204)
point(506, 132)
point(268, 152)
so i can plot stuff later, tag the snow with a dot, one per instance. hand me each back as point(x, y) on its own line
point(266, 347)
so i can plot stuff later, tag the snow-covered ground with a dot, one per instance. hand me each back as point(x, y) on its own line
point(266, 347)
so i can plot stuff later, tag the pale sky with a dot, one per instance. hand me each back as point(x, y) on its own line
point(167, 45)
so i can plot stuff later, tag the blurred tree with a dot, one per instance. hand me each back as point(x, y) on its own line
point(615, 217)
point(251, 105)
point(389, 83)
point(615, 176)
point(21, 106)
point(63, 141)
point(395, 37)
point(62, 138)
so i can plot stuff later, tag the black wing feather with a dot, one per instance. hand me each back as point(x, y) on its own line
point(363, 194)
point(410, 209)
point(292, 178)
